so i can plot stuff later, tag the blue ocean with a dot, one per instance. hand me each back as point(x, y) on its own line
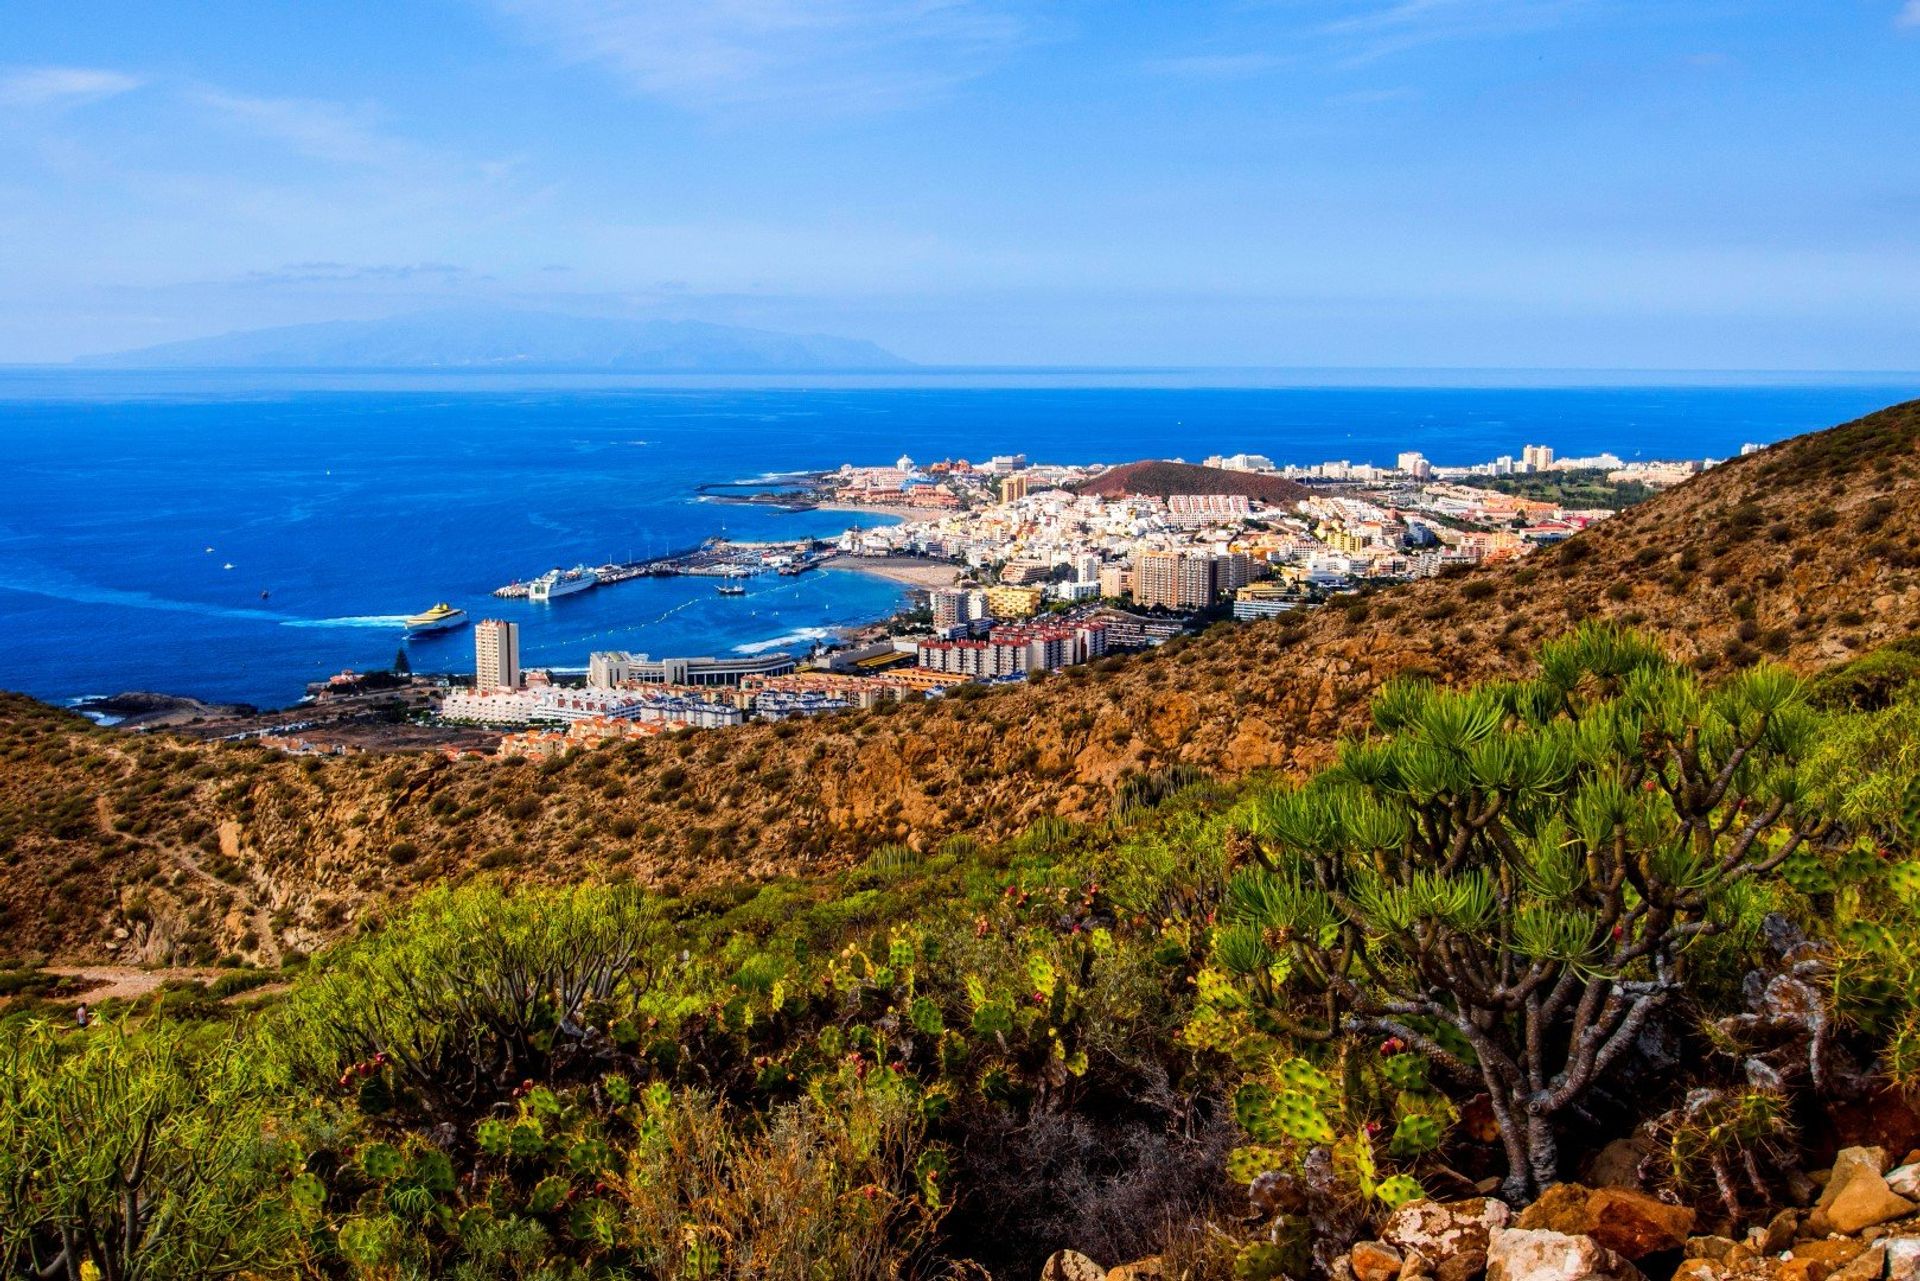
point(144, 516)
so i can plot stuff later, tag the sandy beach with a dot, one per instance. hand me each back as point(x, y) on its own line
point(910, 571)
point(905, 515)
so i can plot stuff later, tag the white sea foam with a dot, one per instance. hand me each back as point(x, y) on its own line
point(353, 620)
point(806, 635)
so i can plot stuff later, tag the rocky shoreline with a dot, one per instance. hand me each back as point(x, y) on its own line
point(144, 709)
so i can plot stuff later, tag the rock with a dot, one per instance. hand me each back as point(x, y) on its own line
point(1699, 1270)
point(1375, 1261)
point(1537, 1254)
point(1780, 1232)
point(1800, 1270)
point(1716, 1249)
point(1617, 1165)
point(1902, 1257)
point(1836, 1252)
point(1626, 1221)
point(1905, 1181)
point(1871, 1265)
point(1147, 1269)
point(1452, 1235)
point(1071, 1265)
point(1856, 1196)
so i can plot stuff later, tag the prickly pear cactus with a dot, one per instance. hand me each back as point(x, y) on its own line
point(1259, 1261)
point(1416, 1134)
point(1246, 1164)
point(1398, 1190)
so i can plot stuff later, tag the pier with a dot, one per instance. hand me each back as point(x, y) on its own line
point(715, 558)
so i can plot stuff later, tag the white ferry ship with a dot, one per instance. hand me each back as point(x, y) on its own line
point(556, 583)
point(441, 618)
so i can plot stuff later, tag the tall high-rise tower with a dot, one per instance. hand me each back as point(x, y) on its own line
point(496, 654)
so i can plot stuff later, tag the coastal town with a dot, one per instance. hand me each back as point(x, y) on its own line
point(1022, 568)
point(1012, 569)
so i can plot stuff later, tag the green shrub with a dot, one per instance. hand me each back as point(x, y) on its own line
point(1526, 870)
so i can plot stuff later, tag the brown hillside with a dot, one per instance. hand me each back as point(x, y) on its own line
point(1154, 479)
point(1809, 551)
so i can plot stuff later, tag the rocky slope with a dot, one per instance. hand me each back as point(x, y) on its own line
point(144, 849)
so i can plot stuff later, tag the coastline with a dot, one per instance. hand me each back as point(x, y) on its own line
point(917, 572)
point(905, 515)
point(909, 571)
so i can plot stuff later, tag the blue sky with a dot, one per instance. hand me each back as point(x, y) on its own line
point(1585, 183)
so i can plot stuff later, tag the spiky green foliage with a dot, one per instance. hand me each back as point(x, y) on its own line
point(471, 991)
point(1525, 866)
point(137, 1156)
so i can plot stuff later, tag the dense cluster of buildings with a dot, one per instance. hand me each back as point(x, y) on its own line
point(1015, 649)
point(1054, 577)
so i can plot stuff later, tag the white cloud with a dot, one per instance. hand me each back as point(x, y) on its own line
point(1357, 32)
point(63, 86)
point(835, 55)
point(1384, 28)
point(1909, 15)
point(320, 130)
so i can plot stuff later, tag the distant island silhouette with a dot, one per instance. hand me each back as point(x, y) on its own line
point(510, 340)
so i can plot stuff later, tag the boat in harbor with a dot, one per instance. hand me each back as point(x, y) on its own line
point(556, 583)
point(441, 618)
point(731, 589)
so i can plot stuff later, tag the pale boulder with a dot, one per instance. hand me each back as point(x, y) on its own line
point(1903, 1258)
point(1537, 1254)
point(1452, 1235)
point(1071, 1265)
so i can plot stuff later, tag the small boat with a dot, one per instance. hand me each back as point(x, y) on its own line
point(264, 593)
point(441, 618)
point(228, 565)
point(731, 589)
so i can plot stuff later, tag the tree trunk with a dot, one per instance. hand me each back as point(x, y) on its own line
point(1533, 1153)
point(1543, 1153)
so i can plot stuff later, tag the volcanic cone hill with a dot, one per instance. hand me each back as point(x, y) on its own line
point(1157, 479)
point(152, 849)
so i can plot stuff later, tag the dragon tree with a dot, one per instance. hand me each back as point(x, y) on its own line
point(1509, 880)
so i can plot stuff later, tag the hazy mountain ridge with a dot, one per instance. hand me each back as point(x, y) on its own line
point(1808, 552)
point(508, 340)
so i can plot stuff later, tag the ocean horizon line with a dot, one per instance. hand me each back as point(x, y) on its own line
point(73, 381)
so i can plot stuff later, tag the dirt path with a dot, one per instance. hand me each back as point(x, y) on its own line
point(126, 982)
